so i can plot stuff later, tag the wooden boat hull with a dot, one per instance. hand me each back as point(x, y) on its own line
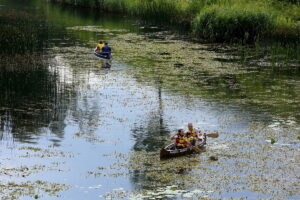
point(170, 151)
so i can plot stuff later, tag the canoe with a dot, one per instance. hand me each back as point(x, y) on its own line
point(170, 151)
point(102, 55)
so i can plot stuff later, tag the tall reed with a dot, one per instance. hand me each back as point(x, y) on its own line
point(21, 32)
point(220, 24)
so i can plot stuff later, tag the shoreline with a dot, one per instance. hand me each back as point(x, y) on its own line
point(207, 23)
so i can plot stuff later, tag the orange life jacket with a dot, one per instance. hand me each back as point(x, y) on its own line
point(195, 135)
point(180, 141)
point(189, 139)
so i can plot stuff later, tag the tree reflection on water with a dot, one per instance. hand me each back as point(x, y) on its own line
point(151, 135)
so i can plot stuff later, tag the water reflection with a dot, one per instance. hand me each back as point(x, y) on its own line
point(32, 103)
point(33, 99)
point(150, 133)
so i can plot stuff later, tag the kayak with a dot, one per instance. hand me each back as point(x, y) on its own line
point(170, 150)
point(104, 56)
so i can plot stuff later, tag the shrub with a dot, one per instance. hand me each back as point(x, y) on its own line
point(230, 24)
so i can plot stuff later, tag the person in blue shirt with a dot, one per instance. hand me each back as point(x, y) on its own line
point(106, 50)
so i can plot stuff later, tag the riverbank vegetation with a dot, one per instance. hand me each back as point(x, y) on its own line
point(213, 20)
point(21, 32)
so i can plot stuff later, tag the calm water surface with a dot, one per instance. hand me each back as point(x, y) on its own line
point(77, 131)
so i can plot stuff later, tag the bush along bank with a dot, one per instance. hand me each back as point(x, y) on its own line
point(232, 24)
point(212, 20)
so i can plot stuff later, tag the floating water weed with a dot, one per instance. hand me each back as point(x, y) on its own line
point(18, 190)
point(44, 153)
point(273, 140)
point(118, 193)
point(213, 158)
point(98, 29)
point(35, 149)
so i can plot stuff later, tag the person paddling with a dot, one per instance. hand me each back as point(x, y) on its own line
point(180, 140)
point(100, 46)
point(190, 139)
point(195, 133)
point(106, 50)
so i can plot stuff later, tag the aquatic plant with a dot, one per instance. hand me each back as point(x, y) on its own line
point(13, 190)
point(213, 158)
point(273, 141)
point(21, 32)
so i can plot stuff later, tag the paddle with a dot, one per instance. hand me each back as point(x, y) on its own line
point(212, 135)
point(197, 149)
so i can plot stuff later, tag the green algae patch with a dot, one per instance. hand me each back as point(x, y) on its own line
point(22, 171)
point(98, 29)
point(43, 153)
point(89, 136)
point(35, 149)
point(148, 165)
point(118, 193)
point(14, 191)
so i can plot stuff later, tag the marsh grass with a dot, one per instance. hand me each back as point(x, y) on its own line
point(21, 32)
point(230, 24)
point(282, 54)
point(25, 62)
point(23, 37)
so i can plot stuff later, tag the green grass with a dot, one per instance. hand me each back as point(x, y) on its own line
point(220, 24)
point(164, 10)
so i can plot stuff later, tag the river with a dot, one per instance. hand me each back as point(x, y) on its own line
point(78, 131)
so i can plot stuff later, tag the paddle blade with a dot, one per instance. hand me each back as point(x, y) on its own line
point(197, 149)
point(212, 135)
